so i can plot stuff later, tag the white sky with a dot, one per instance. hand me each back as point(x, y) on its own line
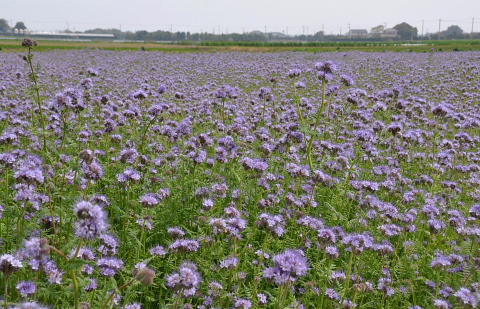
point(288, 16)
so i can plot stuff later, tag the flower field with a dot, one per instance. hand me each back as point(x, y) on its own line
point(239, 180)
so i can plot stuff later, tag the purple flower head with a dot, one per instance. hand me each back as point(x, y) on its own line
point(129, 155)
point(92, 220)
point(294, 73)
point(36, 248)
point(175, 232)
point(129, 174)
point(327, 66)
point(272, 223)
point(243, 303)
point(184, 245)
point(30, 171)
point(187, 279)
point(26, 288)
point(326, 236)
point(158, 251)
point(441, 304)
point(332, 252)
point(29, 305)
point(70, 98)
point(229, 263)
point(332, 294)
point(467, 298)
point(149, 200)
point(323, 76)
point(109, 266)
point(9, 264)
point(288, 266)
point(157, 109)
point(162, 88)
point(108, 244)
point(475, 211)
point(347, 80)
point(357, 243)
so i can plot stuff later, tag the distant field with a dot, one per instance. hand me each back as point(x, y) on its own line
point(463, 45)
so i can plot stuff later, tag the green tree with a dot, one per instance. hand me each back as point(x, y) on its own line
point(20, 25)
point(453, 32)
point(4, 27)
point(406, 32)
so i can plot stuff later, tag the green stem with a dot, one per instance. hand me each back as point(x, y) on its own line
point(38, 99)
point(347, 280)
point(145, 132)
point(110, 297)
point(75, 288)
point(6, 292)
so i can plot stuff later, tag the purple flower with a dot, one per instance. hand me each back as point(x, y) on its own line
point(29, 305)
point(332, 252)
point(229, 263)
point(91, 286)
point(133, 306)
point(158, 251)
point(475, 211)
point(441, 304)
point(262, 299)
point(185, 245)
point(347, 80)
point(109, 266)
point(36, 248)
point(149, 200)
point(357, 243)
point(187, 279)
point(108, 244)
point(92, 220)
point(294, 73)
point(332, 294)
point(26, 288)
point(326, 236)
point(390, 230)
point(466, 297)
point(9, 264)
point(175, 232)
point(30, 171)
point(243, 303)
point(288, 266)
point(272, 223)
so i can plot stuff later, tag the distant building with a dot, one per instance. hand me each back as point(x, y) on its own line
point(257, 32)
point(389, 33)
point(381, 32)
point(358, 33)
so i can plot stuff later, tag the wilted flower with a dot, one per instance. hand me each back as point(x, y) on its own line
point(143, 274)
point(9, 264)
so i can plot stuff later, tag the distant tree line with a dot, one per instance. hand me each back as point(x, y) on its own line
point(405, 32)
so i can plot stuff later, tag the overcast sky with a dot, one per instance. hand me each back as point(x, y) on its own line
point(288, 16)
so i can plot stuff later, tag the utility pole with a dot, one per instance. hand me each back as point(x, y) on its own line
point(473, 21)
point(439, 25)
point(422, 27)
